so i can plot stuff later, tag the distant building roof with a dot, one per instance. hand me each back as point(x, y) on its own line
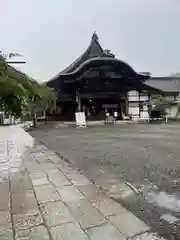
point(177, 74)
point(164, 84)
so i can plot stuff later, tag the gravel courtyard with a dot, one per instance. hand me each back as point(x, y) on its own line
point(138, 153)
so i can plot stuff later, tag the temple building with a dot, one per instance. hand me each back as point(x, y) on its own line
point(98, 82)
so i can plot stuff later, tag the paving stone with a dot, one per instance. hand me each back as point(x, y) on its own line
point(48, 166)
point(14, 170)
point(69, 193)
point(43, 159)
point(57, 178)
point(46, 193)
point(65, 167)
point(38, 154)
point(31, 167)
point(56, 213)
point(20, 181)
point(108, 207)
point(55, 159)
point(77, 178)
point(15, 162)
point(68, 231)
point(86, 214)
point(4, 202)
point(37, 174)
point(128, 224)
point(5, 197)
point(90, 191)
point(39, 233)
point(105, 232)
point(46, 163)
point(28, 220)
point(22, 202)
point(48, 152)
point(39, 148)
point(6, 232)
point(5, 218)
point(40, 181)
point(4, 176)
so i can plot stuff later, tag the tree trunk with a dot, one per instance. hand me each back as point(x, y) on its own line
point(10, 119)
point(34, 120)
point(46, 117)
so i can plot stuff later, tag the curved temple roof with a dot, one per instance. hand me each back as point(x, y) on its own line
point(97, 61)
point(92, 55)
point(94, 58)
point(94, 50)
point(119, 67)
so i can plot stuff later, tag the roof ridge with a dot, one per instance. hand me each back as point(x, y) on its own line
point(83, 57)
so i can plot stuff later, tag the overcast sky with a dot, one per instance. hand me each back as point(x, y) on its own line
point(53, 33)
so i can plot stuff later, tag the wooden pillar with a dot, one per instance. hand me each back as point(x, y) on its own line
point(126, 104)
point(78, 101)
point(139, 104)
point(79, 104)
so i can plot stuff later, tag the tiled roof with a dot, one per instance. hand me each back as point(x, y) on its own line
point(165, 84)
point(99, 60)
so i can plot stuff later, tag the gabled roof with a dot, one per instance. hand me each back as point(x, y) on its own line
point(94, 50)
point(164, 84)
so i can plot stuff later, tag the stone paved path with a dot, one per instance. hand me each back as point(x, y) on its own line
point(43, 197)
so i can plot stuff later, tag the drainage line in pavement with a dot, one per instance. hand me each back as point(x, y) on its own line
point(133, 188)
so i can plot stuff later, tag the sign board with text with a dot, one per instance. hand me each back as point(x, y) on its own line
point(80, 119)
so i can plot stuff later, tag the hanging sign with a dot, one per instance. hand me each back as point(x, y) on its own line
point(80, 119)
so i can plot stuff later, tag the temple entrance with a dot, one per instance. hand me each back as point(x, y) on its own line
point(96, 109)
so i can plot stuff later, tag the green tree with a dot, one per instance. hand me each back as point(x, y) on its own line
point(161, 103)
point(43, 98)
point(158, 100)
point(21, 94)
